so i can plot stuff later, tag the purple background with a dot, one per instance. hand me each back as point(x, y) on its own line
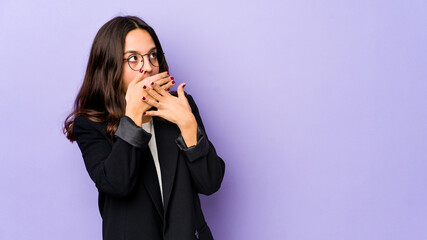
point(317, 107)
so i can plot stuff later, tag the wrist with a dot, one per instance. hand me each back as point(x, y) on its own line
point(137, 119)
point(188, 123)
point(189, 133)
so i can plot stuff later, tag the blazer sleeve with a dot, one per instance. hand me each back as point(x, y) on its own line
point(205, 166)
point(112, 166)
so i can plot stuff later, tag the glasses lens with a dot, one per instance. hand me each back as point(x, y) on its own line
point(156, 59)
point(135, 62)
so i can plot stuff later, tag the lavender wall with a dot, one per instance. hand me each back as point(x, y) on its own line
point(317, 107)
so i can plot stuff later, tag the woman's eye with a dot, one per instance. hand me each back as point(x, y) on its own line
point(153, 55)
point(132, 58)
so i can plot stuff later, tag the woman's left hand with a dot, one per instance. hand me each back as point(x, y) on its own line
point(169, 107)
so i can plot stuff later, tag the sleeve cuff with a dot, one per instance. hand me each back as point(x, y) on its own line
point(133, 134)
point(194, 152)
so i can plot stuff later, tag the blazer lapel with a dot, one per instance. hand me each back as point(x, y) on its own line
point(168, 151)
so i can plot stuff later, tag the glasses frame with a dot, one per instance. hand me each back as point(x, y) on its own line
point(142, 59)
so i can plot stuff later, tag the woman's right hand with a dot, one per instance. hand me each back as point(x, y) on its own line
point(135, 106)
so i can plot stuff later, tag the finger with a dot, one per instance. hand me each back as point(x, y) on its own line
point(152, 113)
point(168, 85)
point(180, 90)
point(158, 89)
point(138, 78)
point(150, 102)
point(164, 81)
point(146, 93)
point(153, 93)
point(164, 77)
point(159, 76)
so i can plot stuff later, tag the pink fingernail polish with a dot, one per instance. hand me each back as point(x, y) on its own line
point(173, 81)
point(141, 71)
point(172, 78)
point(144, 87)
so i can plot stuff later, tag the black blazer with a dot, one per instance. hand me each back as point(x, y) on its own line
point(124, 173)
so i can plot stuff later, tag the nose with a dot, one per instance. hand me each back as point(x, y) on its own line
point(147, 65)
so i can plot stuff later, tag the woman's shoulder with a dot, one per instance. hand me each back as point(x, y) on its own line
point(83, 123)
point(81, 120)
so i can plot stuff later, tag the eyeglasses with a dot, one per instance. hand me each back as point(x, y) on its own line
point(136, 60)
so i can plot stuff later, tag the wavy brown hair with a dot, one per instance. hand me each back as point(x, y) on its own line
point(101, 98)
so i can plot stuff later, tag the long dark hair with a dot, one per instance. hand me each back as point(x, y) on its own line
point(101, 98)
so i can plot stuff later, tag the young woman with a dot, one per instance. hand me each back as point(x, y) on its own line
point(145, 148)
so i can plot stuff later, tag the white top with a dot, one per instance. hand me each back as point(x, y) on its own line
point(149, 127)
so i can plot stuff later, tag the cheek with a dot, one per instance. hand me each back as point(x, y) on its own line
point(127, 77)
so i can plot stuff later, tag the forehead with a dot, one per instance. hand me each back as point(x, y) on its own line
point(139, 40)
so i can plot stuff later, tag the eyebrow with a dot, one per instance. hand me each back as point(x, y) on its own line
point(133, 51)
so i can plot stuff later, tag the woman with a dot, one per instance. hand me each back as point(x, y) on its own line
point(145, 148)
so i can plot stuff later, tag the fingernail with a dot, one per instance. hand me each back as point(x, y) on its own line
point(144, 87)
point(172, 78)
point(152, 83)
point(145, 113)
point(173, 81)
point(183, 85)
point(168, 89)
point(143, 98)
point(140, 70)
point(168, 73)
